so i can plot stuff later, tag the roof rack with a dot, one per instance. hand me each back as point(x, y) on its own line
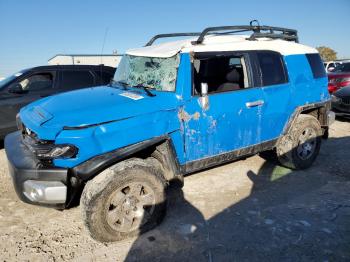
point(154, 38)
point(258, 32)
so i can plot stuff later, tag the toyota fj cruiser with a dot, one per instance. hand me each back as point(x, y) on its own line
point(172, 109)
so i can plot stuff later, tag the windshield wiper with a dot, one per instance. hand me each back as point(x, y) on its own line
point(145, 88)
point(122, 83)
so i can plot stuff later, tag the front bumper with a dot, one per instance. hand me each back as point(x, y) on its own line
point(341, 109)
point(34, 183)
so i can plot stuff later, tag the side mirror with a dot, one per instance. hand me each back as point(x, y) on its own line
point(204, 99)
point(204, 89)
point(17, 89)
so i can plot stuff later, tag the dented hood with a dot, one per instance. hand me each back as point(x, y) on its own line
point(92, 106)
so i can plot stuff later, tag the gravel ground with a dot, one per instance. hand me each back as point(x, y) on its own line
point(250, 210)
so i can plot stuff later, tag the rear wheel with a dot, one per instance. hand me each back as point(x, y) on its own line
point(124, 200)
point(300, 147)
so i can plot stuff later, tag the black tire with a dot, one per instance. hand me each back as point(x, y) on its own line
point(292, 152)
point(176, 182)
point(124, 200)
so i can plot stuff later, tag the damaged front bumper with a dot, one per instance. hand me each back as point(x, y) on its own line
point(34, 183)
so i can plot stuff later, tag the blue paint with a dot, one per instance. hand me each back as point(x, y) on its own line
point(227, 125)
point(109, 121)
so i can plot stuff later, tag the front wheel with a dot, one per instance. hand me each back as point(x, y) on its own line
point(123, 201)
point(299, 148)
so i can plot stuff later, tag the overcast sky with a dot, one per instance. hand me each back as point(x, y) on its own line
point(33, 31)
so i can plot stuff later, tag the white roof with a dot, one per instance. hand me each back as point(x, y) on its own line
point(222, 43)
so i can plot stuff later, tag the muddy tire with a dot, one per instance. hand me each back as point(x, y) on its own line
point(299, 148)
point(177, 181)
point(124, 200)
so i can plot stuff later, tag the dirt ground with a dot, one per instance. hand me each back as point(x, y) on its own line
point(250, 210)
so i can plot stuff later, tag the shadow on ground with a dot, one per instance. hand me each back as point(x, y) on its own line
point(288, 216)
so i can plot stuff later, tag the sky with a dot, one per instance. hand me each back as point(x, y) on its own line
point(32, 31)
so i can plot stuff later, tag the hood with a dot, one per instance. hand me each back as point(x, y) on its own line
point(343, 92)
point(92, 106)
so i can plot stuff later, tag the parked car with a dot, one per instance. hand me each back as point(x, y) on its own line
point(341, 102)
point(339, 78)
point(34, 83)
point(173, 109)
point(331, 65)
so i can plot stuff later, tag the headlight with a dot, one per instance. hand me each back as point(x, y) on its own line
point(57, 151)
point(335, 99)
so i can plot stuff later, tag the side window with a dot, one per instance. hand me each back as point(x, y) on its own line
point(315, 62)
point(37, 82)
point(272, 68)
point(221, 73)
point(76, 79)
point(103, 77)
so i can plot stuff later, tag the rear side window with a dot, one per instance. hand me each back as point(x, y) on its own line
point(316, 65)
point(76, 79)
point(272, 68)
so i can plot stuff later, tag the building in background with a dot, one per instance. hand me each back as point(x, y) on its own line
point(81, 59)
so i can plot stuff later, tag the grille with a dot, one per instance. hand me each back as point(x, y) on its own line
point(346, 101)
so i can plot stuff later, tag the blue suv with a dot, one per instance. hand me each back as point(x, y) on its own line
point(172, 109)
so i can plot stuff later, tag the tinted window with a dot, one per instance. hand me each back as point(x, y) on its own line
point(343, 68)
point(316, 65)
point(272, 69)
point(103, 77)
point(10, 78)
point(76, 79)
point(35, 82)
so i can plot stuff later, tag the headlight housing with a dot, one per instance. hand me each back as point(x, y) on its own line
point(56, 151)
point(335, 99)
point(45, 149)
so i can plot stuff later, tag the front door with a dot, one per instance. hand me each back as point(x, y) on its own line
point(233, 116)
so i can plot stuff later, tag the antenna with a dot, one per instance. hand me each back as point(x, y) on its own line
point(102, 49)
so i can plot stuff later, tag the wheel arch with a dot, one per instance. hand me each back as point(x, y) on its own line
point(161, 148)
point(318, 110)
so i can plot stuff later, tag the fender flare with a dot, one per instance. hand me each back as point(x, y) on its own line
point(324, 108)
point(90, 168)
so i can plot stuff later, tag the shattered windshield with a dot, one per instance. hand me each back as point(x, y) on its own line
point(154, 72)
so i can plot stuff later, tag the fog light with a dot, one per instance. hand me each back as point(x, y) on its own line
point(36, 194)
point(50, 192)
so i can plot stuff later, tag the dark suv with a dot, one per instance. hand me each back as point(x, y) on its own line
point(31, 84)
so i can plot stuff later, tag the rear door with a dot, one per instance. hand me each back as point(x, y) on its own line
point(75, 79)
point(276, 93)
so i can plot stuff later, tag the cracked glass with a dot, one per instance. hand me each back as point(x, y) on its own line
point(154, 72)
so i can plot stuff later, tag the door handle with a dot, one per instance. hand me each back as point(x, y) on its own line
point(255, 103)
